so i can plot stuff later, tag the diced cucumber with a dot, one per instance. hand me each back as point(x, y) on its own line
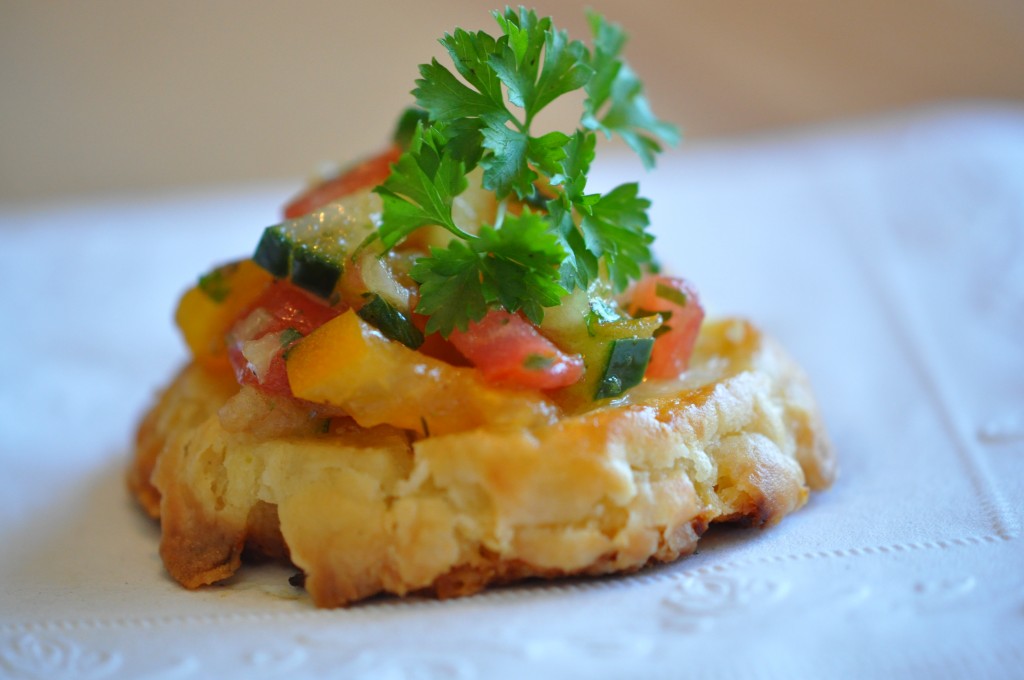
point(274, 251)
point(626, 365)
point(312, 249)
point(310, 267)
point(392, 323)
point(592, 328)
point(315, 271)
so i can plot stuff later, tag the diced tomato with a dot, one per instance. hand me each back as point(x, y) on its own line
point(284, 312)
point(509, 350)
point(435, 345)
point(677, 298)
point(365, 175)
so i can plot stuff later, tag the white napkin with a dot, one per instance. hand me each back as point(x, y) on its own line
point(889, 258)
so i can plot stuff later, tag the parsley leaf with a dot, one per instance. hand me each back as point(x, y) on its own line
point(421, 187)
point(548, 151)
point(520, 265)
point(450, 274)
point(483, 113)
point(565, 69)
point(575, 164)
point(467, 50)
point(515, 266)
point(445, 97)
point(580, 265)
point(517, 58)
point(507, 168)
point(614, 230)
point(615, 100)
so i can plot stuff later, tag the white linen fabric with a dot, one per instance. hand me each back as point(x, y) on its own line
point(887, 257)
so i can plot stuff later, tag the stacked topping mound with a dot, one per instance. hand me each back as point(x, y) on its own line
point(453, 366)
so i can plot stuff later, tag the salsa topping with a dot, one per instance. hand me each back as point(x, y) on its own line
point(487, 118)
point(471, 240)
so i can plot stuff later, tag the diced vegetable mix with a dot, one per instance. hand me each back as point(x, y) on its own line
point(391, 322)
point(478, 244)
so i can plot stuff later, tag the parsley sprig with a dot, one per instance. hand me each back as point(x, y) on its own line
point(487, 118)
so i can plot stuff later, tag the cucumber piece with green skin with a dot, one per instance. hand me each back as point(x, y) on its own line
point(309, 267)
point(312, 250)
point(314, 271)
point(590, 327)
point(627, 363)
point(395, 325)
point(274, 251)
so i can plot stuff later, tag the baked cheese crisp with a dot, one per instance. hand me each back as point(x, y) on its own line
point(452, 365)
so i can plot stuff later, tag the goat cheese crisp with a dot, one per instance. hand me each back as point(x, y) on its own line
point(452, 365)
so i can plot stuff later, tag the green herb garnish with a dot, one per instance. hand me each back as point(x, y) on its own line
point(289, 336)
point(215, 283)
point(537, 362)
point(484, 114)
point(670, 294)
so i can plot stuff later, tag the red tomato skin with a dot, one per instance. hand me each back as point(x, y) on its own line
point(288, 307)
point(510, 351)
point(434, 345)
point(672, 349)
point(364, 175)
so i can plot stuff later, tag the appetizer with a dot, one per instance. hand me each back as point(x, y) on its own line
point(452, 365)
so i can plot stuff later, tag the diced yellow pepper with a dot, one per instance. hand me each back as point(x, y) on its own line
point(204, 320)
point(350, 364)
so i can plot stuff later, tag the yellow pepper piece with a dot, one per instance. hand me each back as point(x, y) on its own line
point(204, 320)
point(350, 364)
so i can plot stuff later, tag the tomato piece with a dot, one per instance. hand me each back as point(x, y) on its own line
point(434, 345)
point(260, 336)
point(677, 299)
point(365, 175)
point(509, 350)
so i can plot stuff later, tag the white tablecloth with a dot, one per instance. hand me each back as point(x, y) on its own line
point(888, 257)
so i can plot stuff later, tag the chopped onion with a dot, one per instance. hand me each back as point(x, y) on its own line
point(259, 354)
point(378, 279)
point(253, 325)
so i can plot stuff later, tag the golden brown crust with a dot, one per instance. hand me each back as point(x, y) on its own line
point(192, 397)
point(738, 438)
